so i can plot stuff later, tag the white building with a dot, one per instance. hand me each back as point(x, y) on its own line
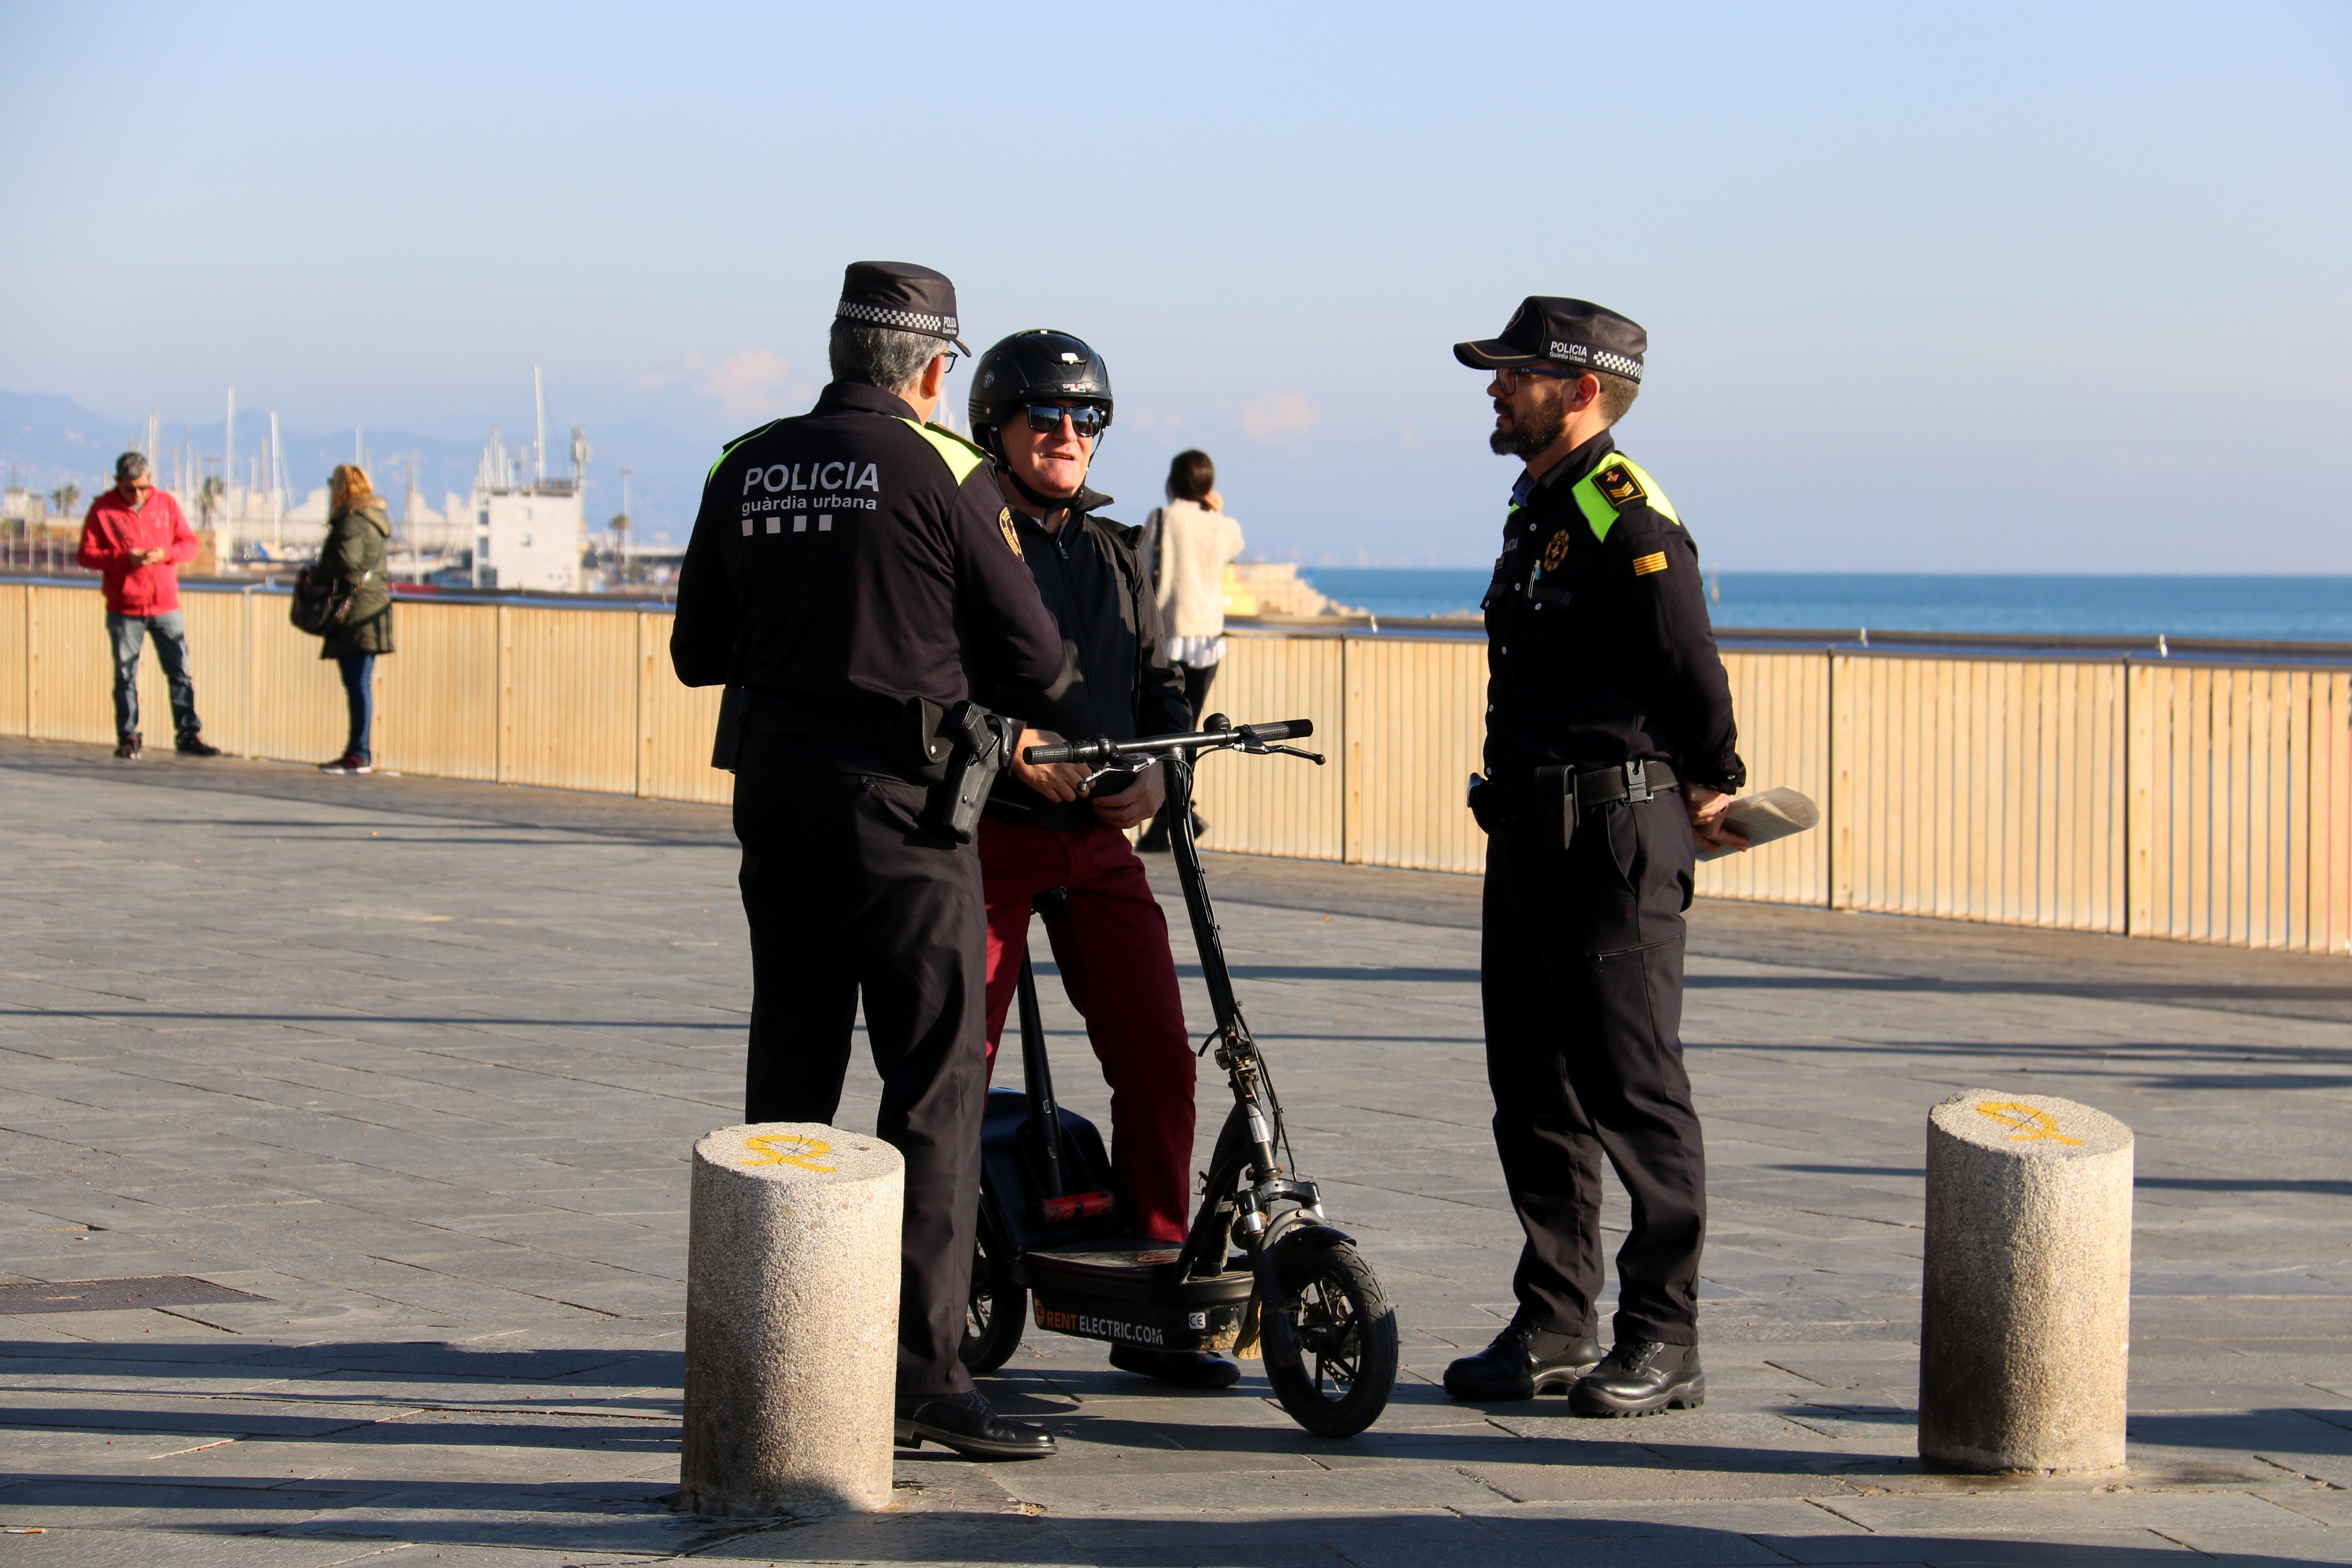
point(528, 538)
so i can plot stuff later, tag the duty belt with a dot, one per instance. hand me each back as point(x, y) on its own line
point(1542, 805)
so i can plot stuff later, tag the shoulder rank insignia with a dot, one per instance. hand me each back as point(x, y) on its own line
point(1645, 565)
point(1004, 525)
point(1555, 550)
point(1617, 484)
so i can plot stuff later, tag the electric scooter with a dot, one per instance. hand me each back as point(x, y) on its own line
point(1261, 1269)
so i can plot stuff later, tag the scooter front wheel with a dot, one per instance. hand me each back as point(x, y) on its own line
point(1331, 1341)
point(998, 1308)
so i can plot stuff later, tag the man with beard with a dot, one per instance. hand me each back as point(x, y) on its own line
point(1610, 759)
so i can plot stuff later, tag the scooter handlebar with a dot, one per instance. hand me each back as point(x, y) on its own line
point(1102, 749)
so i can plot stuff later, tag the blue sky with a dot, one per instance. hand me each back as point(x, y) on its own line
point(1982, 288)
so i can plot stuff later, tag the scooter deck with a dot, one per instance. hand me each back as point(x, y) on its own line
point(1125, 1290)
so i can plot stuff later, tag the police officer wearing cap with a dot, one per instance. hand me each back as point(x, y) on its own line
point(849, 567)
point(1609, 761)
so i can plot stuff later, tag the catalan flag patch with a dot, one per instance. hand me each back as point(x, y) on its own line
point(1645, 565)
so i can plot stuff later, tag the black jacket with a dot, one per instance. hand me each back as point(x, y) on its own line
point(850, 559)
point(1099, 593)
point(1599, 651)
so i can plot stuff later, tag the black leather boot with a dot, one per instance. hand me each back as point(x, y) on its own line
point(964, 1423)
point(1523, 1361)
point(1642, 1377)
point(1186, 1369)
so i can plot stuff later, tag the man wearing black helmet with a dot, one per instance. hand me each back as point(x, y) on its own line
point(849, 568)
point(1610, 759)
point(1040, 401)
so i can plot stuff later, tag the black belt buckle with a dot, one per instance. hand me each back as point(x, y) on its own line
point(1637, 782)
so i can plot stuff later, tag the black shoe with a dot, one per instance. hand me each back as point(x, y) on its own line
point(1154, 842)
point(1523, 1361)
point(1642, 1377)
point(1186, 1369)
point(195, 746)
point(128, 748)
point(964, 1422)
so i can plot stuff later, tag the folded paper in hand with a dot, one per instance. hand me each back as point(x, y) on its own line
point(1775, 813)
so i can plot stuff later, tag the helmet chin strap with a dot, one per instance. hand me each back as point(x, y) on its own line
point(1046, 505)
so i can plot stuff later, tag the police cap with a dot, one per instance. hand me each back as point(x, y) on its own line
point(902, 297)
point(1568, 332)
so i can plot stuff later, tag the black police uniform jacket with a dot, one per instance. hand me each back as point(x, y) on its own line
point(1599, 651)
point(851, 559)
point(1092, 578)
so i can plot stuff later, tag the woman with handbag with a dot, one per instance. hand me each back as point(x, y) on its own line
point(351, 569)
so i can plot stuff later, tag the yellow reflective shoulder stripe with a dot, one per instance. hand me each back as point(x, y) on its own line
point(726, 453)
point(960, 455)
point(1598, 511)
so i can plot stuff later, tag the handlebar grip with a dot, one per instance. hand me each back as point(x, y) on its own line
point(1083, 752)
point(1288, 730)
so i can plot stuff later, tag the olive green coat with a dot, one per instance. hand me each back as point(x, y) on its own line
point(353, 553)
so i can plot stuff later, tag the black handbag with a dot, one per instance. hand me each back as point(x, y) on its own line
point(321, 605)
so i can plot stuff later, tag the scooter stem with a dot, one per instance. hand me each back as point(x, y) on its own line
point(1037, 1082)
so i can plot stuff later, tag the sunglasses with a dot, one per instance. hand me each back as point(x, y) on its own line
point(1510, 377)
point(1085, 419)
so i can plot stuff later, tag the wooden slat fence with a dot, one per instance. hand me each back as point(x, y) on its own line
point(2201, 802)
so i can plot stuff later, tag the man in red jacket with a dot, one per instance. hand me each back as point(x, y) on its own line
point(136, 537)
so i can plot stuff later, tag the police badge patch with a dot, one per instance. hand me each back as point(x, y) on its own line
point(1556, 551)
point(1004, 525)
point(1618, 484)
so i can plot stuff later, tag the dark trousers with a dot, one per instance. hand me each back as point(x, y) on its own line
point(1582, 970)
point(359, 700)
point(847, 896)
point(129, 635)
point(1111, 942)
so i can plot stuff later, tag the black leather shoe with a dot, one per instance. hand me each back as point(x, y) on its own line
point(1642, 1377)
point(195, 746)
point(964, 1422)
point(1523, 1361)
point(1186, 1369)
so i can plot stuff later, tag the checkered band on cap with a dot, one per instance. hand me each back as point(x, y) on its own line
point(903, 320)
point(1617, 364)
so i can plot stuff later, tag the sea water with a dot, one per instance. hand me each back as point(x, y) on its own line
point(2270, 609)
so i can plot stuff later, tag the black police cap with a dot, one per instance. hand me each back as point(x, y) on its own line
point(902, 297)
point(1575, 333)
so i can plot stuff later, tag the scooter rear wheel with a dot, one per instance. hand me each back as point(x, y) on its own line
point(998, 1307)
point(1331, 1342)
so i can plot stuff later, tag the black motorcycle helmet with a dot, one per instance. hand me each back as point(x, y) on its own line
point(1034, 366)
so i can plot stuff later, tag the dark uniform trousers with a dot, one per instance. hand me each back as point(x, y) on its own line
point(1581, 971)
point(847, 894)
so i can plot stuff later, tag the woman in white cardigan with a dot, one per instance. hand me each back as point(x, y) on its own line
point(1195, 541)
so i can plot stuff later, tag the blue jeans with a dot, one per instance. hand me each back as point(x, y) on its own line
point(130, 634)
point(359, 695)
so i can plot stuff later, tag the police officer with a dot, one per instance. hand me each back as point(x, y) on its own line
point(848, 566)
point(1608, 760)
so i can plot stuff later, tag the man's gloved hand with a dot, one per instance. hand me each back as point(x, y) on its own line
point(1054, 781)
point(1138, 802)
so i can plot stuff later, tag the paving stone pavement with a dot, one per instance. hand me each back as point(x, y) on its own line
point(417, 1065)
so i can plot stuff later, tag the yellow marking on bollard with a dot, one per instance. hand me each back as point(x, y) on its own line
point(2032, 1126)
point(805, 1157)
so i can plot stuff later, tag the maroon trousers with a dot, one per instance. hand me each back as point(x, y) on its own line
point(1111, 941)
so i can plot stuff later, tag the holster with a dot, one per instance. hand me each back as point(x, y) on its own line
point(734, 711)
point(979, 745)
point(1547, 808)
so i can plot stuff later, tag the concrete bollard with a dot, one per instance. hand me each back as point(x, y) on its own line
point(2025, 1317)
point(791, 1320)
